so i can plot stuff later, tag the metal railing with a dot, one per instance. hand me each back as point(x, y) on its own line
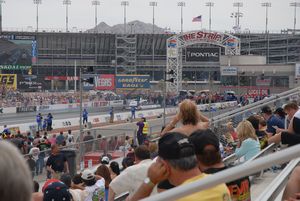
point(228, 175)
point(276, 186)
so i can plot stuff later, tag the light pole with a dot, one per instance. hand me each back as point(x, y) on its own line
point(125, 4)
point(238, 14)
point(181, 4)
point(37, 3)
point(153, 4)
point(267, 5)
point(67, 3)
point(209, 4)
point(295, 5)
point(1, 2)
point(96, 3)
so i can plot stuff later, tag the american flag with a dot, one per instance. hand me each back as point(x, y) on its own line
point(197, 19)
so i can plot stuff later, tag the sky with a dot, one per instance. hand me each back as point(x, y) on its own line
point(21, 14)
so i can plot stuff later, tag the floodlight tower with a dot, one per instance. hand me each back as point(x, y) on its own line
point(37, 3)
point(181, 4)
point(67, 3)
point(96, 3)
point(295, 5)
point(1, 2)
point(125, 4)
point(209, 4)
point(267, 5)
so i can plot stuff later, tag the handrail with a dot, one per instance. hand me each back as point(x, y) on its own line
point(258, 104)
point(262, 152)
point(122, 197)
point(244, 109)
point(275, 187)
point(228, 175)
point(229, 159)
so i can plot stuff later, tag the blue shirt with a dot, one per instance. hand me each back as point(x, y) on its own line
point(274, 121)
point(85, 114)
point(38, 118)
point(249, 148)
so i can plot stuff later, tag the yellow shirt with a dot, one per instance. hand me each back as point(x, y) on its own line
point(217, 193)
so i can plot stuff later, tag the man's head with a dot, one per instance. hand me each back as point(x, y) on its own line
point(66, 179)
point(290, 109)
point(177, 151)
point(141, 153)
point(266, 112)
point(61, 132)
point(144, 119)
point(207, 148)
point(254, 120)
point(88, 177)
point(15, 174)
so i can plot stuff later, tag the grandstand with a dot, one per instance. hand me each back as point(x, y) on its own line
point(112, 53)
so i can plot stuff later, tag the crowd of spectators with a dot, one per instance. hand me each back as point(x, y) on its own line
point(187, 151)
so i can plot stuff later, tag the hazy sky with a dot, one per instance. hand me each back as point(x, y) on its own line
point(21, 14)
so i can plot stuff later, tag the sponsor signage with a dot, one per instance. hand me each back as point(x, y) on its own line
point(105, 82)
point(14, 67)
point(29, 82)
point(62, 78)
point(263, 82)
point(133, 81)
point(258, 92)
point(26, 109)
point(297, 70)
point(9, 80)
point(202, 54)
point(203, 36)
point(229, 71)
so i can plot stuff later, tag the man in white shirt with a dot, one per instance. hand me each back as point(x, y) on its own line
point(132, 177)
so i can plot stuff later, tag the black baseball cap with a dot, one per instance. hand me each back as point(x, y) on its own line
point(175, 145)
point(266, 110)
point(203, 138)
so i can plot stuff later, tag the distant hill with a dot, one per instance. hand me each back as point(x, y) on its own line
point(132, 27)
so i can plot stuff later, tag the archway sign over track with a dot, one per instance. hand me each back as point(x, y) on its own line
point(176, 43)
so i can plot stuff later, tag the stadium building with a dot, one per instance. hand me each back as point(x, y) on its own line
point(54, 57)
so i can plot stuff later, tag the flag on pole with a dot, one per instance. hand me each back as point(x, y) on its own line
point(197, 19)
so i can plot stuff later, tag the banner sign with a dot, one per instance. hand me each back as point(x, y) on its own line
point(297, 70)
point(26, 109)
point(105, 82)
point(229, 71)
point(204, 36)
point(263, 82)
point(14, 67)
point(9, 80)
point(202, 54)
point(133, 81)
point(63, 78)
point(30, 82)
point(258, 92)
point(34, 51)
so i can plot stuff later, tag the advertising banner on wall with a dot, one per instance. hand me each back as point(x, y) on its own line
point(229, 71)
point(263, 82)
point(297, 70)
point(132, 81)
point(202, 55)
point(105, 82)
point(30, 82)
point(9, 80)
point(17, 51)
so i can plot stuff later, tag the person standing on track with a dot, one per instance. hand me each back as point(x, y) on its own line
point(85, 116)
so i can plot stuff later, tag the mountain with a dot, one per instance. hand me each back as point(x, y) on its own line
point(132, 27)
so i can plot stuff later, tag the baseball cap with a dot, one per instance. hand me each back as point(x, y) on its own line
point(203, 138)
point(266, 109)
point(105, 160)
point(175, 146)
point(87, 175)
point(57, 191)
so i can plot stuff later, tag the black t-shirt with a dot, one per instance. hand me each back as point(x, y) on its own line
point(239, 189)
point(57, 162)
point(290, 139)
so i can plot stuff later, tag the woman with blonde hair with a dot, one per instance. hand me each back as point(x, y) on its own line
point(248, 145)
point(190, 117)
